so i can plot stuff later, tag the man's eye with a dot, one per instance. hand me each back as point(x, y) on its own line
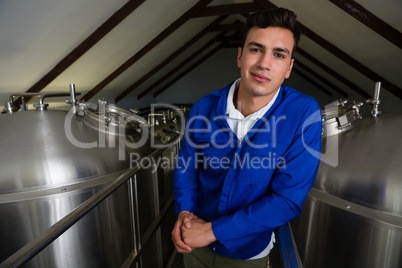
point(278, 55)
point(257, 50)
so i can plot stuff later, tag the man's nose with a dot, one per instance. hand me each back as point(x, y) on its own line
point(265, 61)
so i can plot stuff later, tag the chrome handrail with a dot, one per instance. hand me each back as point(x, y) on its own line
point(287, 247)
point(154, 226)
point(288, 250)
point(34, 247)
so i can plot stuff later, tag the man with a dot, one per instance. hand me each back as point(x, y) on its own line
point(245, 166)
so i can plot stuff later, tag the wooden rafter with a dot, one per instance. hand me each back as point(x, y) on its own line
point(154, 42)
point(321, 78)
point(310, 80)
point(341, 55)
point(370, 20)
point(227, 10)
point(339, 77)
point(200, 9)
point(227, 27)
point(189, 69)
point(85, 45)
point(179, 66)
point(169, 59)
point(351, 61)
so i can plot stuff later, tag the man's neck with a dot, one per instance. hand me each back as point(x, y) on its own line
point(247, 104)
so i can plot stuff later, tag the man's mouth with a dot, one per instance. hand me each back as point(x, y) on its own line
point(260, 78)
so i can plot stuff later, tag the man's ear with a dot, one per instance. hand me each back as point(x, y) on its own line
point(289, 71)
point(239, 54)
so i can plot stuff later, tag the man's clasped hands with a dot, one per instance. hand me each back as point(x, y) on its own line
point(191, 232)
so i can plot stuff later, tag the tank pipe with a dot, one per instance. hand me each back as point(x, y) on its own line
point(33, 248)
point(43, 96)
point(23, 95)
point(377, 90)
point(47, 95)
point(73, 95)
point(375, 101)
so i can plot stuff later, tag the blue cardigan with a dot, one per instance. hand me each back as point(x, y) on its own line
point(247, 188)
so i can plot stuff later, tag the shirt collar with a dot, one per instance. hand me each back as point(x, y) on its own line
point(233, 113)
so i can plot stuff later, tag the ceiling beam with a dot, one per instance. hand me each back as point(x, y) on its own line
point(339, 77)
point(208, 55)
point(183, 63)
point(265, 4)
point(310, 80)
point(82, 48)
point(169, 59)
point(227, 27)
point(232, 39)
point(321, 78)
point(154, 42)
point(227, 10)
point(231, 45)
point(341, 55)
point(370, 20)
point(351, 61)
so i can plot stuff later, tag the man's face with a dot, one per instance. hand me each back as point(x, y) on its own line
point(265, 61)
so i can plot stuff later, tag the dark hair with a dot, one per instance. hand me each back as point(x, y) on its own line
point(277, 17)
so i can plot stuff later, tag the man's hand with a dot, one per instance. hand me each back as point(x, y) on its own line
point(184, 219)
point(197, 234)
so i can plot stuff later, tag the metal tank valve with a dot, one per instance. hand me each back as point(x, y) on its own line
point(73, 95)
point(10, 107)
point(375, 101)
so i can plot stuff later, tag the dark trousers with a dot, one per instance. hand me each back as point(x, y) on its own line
point(207, 258)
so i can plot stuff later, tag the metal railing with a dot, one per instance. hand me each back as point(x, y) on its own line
point(287, 247)
point(289, 255)
point(33, 248)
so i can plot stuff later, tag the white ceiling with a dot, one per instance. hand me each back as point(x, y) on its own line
point(37, 34)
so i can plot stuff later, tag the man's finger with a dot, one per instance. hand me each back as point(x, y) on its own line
point(187, 222)
point(193, 216)
point(181, 247)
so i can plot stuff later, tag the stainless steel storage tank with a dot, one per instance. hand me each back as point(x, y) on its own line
point(353, 214)
point(52, 161)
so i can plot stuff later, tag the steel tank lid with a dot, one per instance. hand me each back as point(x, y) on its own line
point(40, 149)
point(368, 171)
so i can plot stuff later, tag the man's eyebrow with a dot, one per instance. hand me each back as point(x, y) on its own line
point(276, 49)
point(282, 49)
point(255, 44)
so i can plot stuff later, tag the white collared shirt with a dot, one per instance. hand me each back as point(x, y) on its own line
point(238, 123)
point(241, 126)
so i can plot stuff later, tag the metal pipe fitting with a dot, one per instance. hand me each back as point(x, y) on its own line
point(375, 101)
